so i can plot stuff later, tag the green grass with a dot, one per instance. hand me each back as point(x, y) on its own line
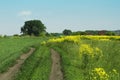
point(11, 48)
point(37, 66)
point(75, 67)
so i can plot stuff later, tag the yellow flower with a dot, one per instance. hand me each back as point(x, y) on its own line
point(101, 73)
point(87, 49)
point(74, 39)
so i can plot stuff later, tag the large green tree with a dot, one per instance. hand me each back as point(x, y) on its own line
point(33, 27)
point(67, 32)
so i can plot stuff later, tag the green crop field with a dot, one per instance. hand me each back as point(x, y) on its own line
point(82, 57)
point(12, 48)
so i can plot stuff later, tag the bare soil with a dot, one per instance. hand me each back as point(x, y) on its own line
point(9, 75)
point(56, 73)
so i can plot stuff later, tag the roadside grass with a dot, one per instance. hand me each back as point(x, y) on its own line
point(76, 67)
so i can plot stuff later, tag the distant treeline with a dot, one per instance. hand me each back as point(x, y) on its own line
point(97, 32)
point(69, 32)
point(87, 32)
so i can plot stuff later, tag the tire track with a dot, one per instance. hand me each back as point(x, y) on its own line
point(9, 75)
point(56, 73)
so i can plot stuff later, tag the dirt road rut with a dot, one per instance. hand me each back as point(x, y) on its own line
point(56, 73)
point(9, 75)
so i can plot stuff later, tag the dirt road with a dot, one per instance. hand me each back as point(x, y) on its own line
point(9, 75)
point(56, 73)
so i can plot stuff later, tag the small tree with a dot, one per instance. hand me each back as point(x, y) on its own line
point(33, 27)
point(67, 32)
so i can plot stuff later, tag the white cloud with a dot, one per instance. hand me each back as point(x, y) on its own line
point(25, 13)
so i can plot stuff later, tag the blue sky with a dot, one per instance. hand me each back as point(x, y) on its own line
point(58, 15)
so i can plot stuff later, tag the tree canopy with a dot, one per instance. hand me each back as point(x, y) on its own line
point(67, 32)
point(33, 27)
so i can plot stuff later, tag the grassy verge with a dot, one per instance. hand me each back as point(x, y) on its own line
point(83, 66)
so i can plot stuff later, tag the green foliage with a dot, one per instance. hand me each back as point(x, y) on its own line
point(67, 32)
point(110, 33)
point(77, 67)
point(33, 27)
point(79, 33)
